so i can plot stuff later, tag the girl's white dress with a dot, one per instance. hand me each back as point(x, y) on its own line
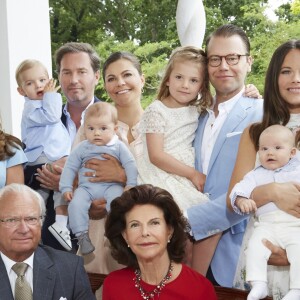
point(278, 277)
point(178, 125)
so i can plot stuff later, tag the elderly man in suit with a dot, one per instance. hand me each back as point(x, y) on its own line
point(216, 144)
point(50, 273)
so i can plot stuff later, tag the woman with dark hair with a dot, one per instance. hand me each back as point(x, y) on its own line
point(12, 159)
point(281, 106)
point(147, 232)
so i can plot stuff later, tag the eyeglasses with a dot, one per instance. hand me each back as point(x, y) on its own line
point(14, 222)
point(231, 59)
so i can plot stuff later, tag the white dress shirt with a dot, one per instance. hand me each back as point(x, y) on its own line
point(213, 127)
point(13, 276)
point(71, 127)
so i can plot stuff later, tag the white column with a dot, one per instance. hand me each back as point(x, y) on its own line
point(24, 33)
point(191, 22)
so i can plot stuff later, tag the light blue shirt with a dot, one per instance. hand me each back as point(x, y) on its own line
point(17, 159)
point(42, 130)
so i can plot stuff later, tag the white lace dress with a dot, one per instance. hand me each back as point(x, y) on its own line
point(178, 126)
point(278, 277)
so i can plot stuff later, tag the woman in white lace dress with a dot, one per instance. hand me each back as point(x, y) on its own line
point(281, 106)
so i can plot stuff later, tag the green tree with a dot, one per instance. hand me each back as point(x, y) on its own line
point(147, 28)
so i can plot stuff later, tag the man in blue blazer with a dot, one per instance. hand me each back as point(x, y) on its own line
point(216, 144)
point(51, 274)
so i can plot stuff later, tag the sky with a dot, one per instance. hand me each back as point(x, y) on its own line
point(274, 4)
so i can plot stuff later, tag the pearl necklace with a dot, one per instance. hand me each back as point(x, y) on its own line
point(150, 295)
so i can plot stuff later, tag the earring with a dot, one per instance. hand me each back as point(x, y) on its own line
point(128, 246)
point(142, 90)
point(199, 96)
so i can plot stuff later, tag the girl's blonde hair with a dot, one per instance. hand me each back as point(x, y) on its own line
point(198, 56)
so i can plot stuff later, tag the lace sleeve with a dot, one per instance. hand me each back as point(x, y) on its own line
point(153, 120)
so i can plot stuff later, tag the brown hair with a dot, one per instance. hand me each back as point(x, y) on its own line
point(275, 107)
point(193, 54)
point(73, 47)
point(24, 66)
point(102, 108)
point(141, 195)
point(7, 144)
point(229, 30)
point(121, 55)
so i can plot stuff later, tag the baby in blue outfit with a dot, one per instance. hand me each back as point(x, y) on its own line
point(100, 127)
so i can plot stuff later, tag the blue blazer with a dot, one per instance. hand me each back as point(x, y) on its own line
point(56, 274)
point(212, 217)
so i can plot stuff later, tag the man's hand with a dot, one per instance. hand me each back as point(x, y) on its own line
point(49, 175)
point(107, 170)
point(48, 179)
point(278, 256)
point(251, 91)
point(98, 209)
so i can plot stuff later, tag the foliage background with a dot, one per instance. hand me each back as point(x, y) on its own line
point(147, 28)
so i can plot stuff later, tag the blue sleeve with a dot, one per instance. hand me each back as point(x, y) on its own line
point(43, 112)
point(212, 217)
point(70, 169)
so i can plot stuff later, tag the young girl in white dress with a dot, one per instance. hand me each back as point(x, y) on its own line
point(168, 128)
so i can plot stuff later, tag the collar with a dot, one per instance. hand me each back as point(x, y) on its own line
point(290, 166)
point(65, 108)
point(9, 262)
point(113, 140)
point(228, 104)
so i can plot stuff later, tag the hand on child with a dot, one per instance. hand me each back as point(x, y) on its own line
point(49, 179)
point(98, 209)
point(198, 179)
point(51, 86)
point(251, 91)
point(107, 170)
point(68, 196)
point(278, 256)
point(245, 205)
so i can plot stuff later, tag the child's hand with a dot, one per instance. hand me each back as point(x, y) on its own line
point(51, 86)
point(198, 179)
point(245, 205)
point(127, 187)
point(68, 196)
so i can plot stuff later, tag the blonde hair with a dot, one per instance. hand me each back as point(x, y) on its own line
point(99, 109)
point(24, 66)
point(193, 54)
